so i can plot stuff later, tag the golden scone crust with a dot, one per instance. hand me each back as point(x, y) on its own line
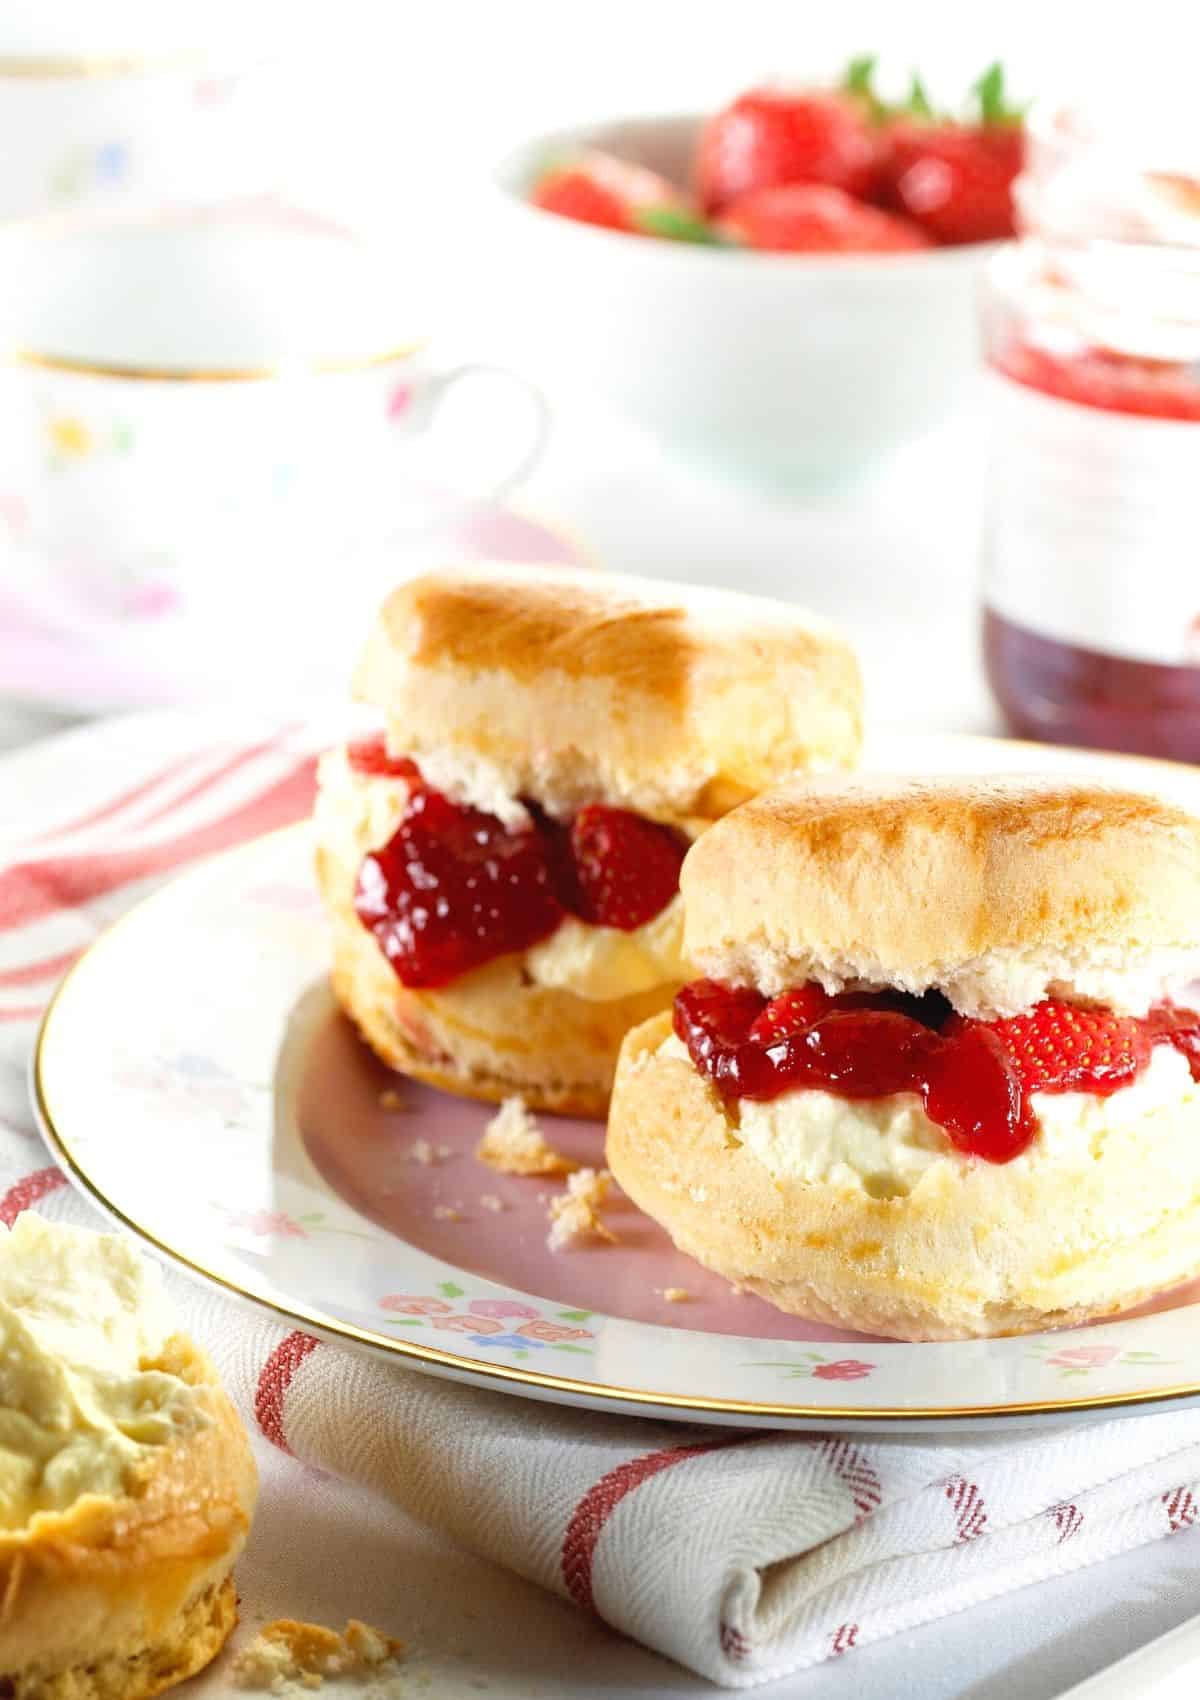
point(490, 1034)
point(903, 881)
point(117, 1599)
point(975, 1248)
point(676, 701)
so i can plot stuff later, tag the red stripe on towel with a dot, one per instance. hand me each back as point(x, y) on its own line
point(27, 1192)
point(593, 1511)
point(31, 890)
point(274, 1380)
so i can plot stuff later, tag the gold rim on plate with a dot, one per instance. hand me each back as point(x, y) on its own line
point(512, 1377)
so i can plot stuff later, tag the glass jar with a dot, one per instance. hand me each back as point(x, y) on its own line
point(1092, 540)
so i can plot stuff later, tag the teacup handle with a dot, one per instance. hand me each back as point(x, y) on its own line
point(432, 391)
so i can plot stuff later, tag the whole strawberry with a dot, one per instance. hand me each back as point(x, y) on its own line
point(955, 179)
point(769, 136)
point(811, 218)
point(594, 187)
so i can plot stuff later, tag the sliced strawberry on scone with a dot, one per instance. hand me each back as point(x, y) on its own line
point(791, 1012)
point(626, 868)
point(1063, 1047)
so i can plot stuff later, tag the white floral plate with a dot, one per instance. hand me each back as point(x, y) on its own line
point(197, 1084)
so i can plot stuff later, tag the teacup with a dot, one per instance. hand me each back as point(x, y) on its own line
point(83, 132)
point(212, 407)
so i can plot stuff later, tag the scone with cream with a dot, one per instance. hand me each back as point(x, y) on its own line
point(501, 862)
point(126, 1480)
point(936, 1083)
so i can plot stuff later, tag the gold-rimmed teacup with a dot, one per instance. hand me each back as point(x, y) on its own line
point(210, 408)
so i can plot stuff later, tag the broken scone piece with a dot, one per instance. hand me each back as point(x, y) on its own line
point(575, 1213)
point(513, 1144)
point(287, 1652)
point(126, 1480)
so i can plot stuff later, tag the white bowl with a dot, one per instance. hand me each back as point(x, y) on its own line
point(796, 372)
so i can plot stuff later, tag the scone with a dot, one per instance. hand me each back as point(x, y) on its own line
point(935, 1084)
point(126, 1480)
point(501, 862)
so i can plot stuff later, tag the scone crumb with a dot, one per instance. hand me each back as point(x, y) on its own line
point(676, 1295)
point(390, 1099)
point(513, 1144)
point(447, 1213)
point(574, 1214)
point(286, 1652)
point(489, 1201)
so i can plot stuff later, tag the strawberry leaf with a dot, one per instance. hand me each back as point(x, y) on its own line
point(858, 80)
point(860, 73)
point(919, 103)
point(677, 225)
point(991, 98)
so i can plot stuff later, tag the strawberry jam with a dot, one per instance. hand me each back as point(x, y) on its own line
point(974, 1078)
point(454, 888)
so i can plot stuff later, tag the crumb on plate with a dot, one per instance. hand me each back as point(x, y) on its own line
point(574, 1214)
point(447, 1213)
point(390, 1099)
point(286, 1652)
point(489, 1201)
point(676, 1295)
point(513, 1144)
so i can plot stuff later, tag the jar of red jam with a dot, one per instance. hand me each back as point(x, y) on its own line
point(1092, 542)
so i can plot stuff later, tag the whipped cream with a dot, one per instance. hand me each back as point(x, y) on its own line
point(82, 1319)
point(886, 1146)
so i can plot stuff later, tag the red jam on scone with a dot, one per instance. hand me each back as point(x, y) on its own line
point(454, 887)
point(975, 1078)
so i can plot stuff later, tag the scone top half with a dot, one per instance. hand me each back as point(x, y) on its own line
point(126, 1480)
point(944, 1014)
point(573, 687)
point(551, 742)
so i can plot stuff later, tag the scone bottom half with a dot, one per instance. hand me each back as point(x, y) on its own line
point(885, 1151)
point(124, 1502)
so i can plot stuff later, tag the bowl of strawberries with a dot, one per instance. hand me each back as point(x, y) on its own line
point(783, 290)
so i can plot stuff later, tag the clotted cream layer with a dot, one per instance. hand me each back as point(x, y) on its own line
point(82, 1321)
point(887, 1146)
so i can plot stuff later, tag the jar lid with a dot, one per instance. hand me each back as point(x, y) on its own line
point(1118, 173)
